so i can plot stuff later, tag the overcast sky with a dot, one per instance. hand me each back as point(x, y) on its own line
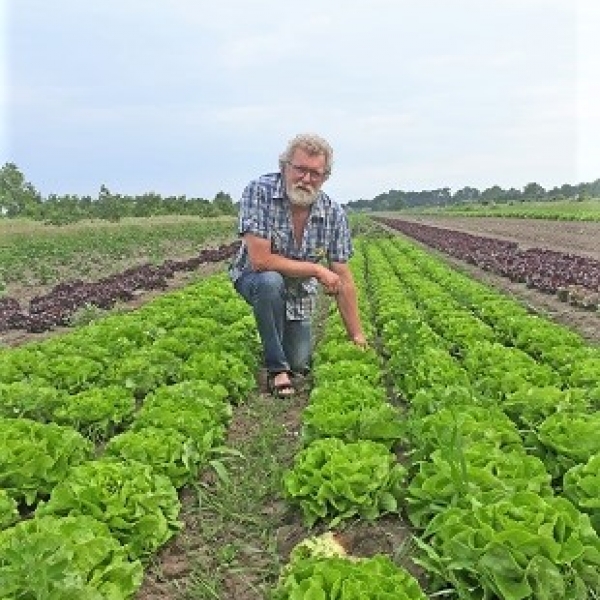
point(198, 96)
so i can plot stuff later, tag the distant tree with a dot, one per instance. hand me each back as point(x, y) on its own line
point(147, 204)
point(568, 191)
point(594, 189)
point(18, 198)
point(109, 206)
point(466, 195)
point(513, 194)
point(441, 196)
point(492, 194)
point(224, 204)
point(584, 196)
point(61, 210)
point(360, 205)
point(534, 191)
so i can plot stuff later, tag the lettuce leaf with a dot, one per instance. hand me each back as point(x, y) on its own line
point(65, 558)
point(334, 480)
point(139, 506)
point(337, 578)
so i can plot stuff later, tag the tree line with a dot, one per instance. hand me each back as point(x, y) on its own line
point(532, 192)
point(19, 198)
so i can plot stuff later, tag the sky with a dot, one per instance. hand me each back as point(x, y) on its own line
point(196, 97)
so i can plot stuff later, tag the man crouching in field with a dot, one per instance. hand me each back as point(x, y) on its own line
point(290, 231)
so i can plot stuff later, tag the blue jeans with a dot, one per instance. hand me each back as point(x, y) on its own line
point(287, 345)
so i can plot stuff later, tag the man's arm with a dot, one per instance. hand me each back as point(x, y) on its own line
point(347, 302)
point(262, 259)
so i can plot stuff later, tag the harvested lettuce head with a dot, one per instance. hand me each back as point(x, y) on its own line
point(324, 546)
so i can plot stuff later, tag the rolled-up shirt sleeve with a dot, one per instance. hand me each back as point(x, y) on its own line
point(253, 215)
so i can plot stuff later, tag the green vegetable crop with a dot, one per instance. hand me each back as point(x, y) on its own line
point(65, 558)
point(334, 480)
point(139, 506)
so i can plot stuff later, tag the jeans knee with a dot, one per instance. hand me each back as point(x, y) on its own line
point(270, 284)
point(298, 345)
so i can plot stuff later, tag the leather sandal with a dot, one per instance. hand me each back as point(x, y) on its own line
point(280, 390)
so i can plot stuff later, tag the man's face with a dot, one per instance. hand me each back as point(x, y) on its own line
point(304, 175)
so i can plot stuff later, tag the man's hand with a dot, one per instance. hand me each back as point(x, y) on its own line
point(360, 340)
point(329, 280)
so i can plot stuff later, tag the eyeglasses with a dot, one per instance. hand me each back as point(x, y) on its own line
point(302, 172)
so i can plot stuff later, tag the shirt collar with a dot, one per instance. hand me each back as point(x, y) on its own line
point(279, 191)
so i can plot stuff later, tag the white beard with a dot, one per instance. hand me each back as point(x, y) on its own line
point(300, 196)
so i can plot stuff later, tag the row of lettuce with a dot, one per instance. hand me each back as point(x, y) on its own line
point(504, 415)
point(502, 473)
point(100, 428)
point(346, 470)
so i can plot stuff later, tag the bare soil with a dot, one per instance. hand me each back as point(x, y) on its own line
point(579, 238)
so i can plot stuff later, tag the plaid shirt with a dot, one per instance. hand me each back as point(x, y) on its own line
point(265, 212)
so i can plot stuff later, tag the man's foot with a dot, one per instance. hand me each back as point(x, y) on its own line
point(280, 385)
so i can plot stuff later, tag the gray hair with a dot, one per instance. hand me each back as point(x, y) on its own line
point(311, 144)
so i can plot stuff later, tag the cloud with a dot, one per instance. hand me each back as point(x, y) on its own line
point(195, 96)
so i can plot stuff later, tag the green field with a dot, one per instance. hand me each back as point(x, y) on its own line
point(32, 253)
point(588, 210)
point(455, 457)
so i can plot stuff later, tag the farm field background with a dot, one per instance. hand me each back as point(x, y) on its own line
point(36, 260)
point(34, 256)
point(577, 238)
point(239, 526)
point(560, 210)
